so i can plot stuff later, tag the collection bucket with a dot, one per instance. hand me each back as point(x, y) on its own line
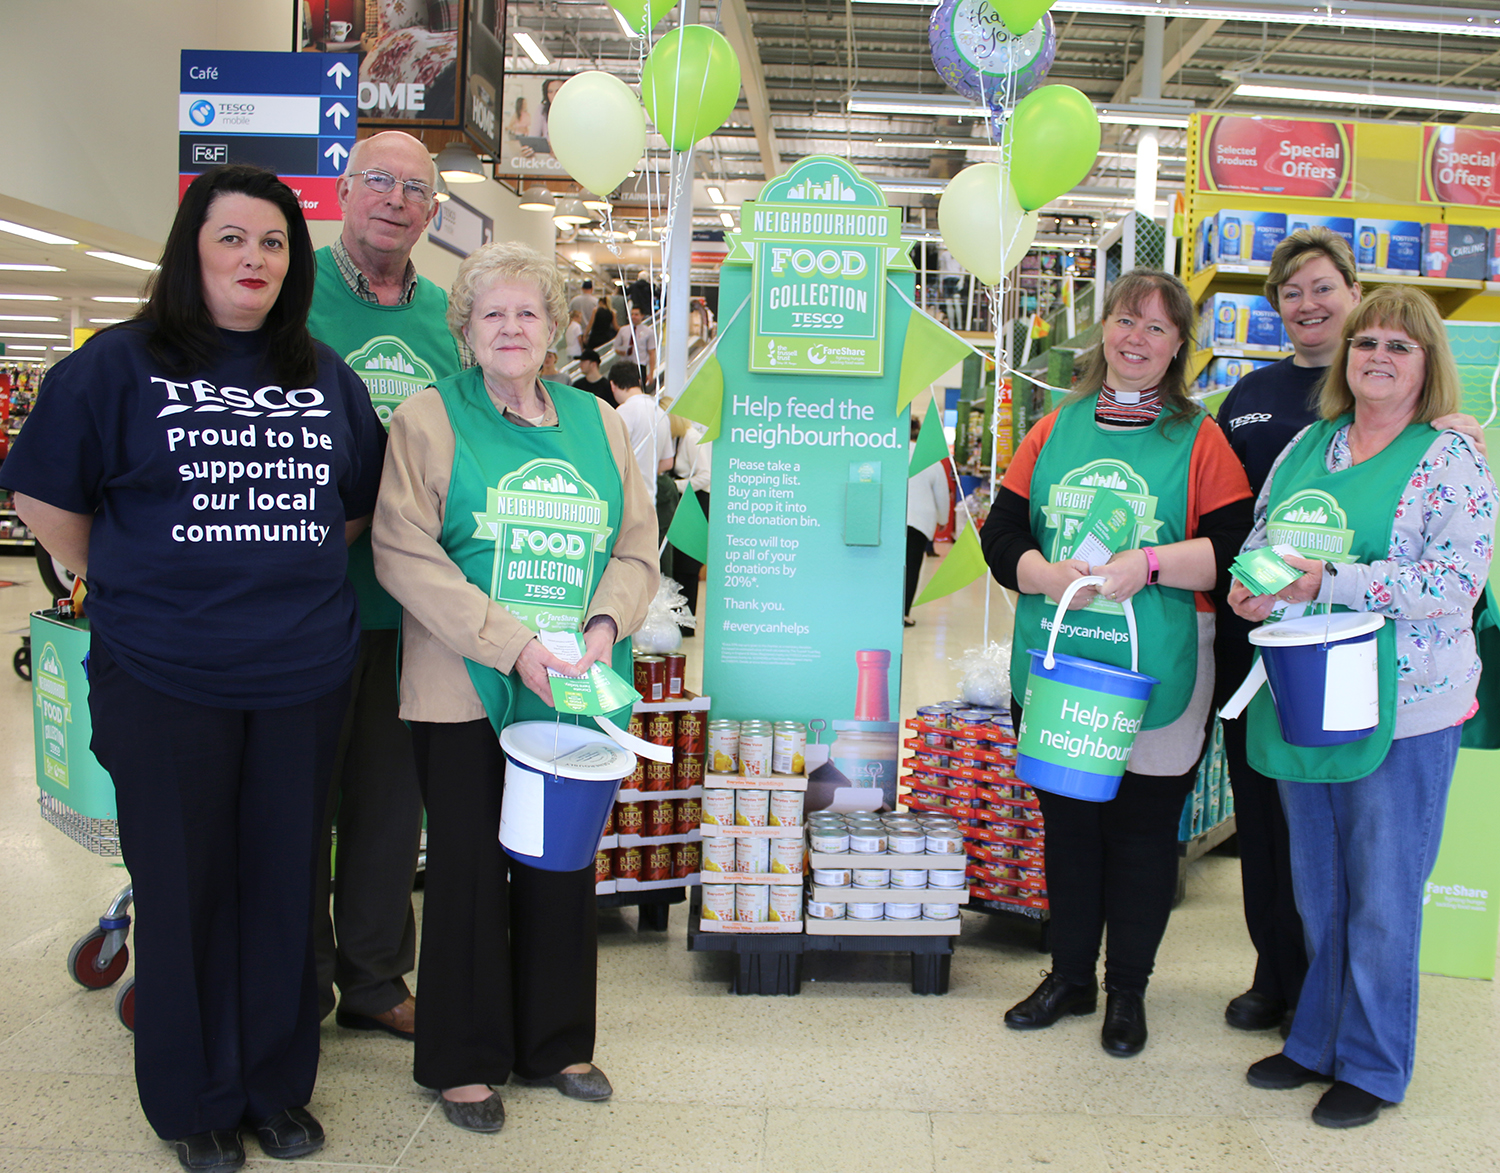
point(1080, 717)
point(1323, 678)
point(560, 783)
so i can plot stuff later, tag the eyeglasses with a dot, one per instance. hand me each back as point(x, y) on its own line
point(1393, 346)
point(383, 181)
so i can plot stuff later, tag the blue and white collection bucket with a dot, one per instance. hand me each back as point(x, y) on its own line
point(1323, 676)
point(560, 783)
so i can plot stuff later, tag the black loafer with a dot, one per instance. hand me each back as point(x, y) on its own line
point(1346, 1106)
point(1049, 1002)
point(291, 1133)
point(1124, 1032)
point(487, 1115)
point(1253, 1010)
point(1276, 1072)
point(219, 1151)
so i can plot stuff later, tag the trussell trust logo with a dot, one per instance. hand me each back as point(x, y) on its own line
point(200, 395)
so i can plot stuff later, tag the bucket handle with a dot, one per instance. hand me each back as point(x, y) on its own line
point(1062, 609)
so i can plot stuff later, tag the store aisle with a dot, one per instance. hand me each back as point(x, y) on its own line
point(854, 1074)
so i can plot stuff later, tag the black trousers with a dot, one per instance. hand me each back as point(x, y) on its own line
point(509, 961)
point(378, 804)
point(219, 811)
point(1271, 916)
point(916, 550)
point(1113, 866)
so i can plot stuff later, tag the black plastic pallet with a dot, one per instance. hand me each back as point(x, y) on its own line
point(771, 963)
point(655, 904)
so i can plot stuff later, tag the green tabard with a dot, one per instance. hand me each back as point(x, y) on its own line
point(543, 532)
point(1149, 468)
point(1339, 517)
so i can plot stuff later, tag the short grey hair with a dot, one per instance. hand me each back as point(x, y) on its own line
point(504, 260)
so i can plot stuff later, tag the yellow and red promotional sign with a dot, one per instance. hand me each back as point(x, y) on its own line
point(1460, 165)
point(1300, 158)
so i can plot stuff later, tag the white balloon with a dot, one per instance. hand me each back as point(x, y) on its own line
point(597, 129)
point(986, 236)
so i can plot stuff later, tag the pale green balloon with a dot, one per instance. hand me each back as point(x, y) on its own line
point(597, 130)
point(639, 12)
point(1054, 143)
point(690, 84)
point(986, 235)
point(1020, 15)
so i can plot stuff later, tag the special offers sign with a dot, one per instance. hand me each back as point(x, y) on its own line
point(1460, 165)
point(1301, 158)
point(819, 238)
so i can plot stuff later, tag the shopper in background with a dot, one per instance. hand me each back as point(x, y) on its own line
point(1114, 864)
point(636, 343)
point(602, 330)
point(693, 466)
point(927, 507)
point(1312, 284)
point(573, 335)
point(1409, 535)
point(584, 302)
point(509, 951)
point(224, 630)
point(650, 430)
point(592, 381)
point(371, 306)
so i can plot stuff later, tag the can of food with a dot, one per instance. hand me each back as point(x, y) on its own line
point(973, 717)
point(609, 824)
point(661, 728)
point(751, 807)
point(603, 866)
point(660, 818)
point(630, 818)
point(756, 740)
point(867, 841)
point(908, 841)
point(936, 741)
point(658, 775)
point(935, 716)
point(908, 877)
point(718, 854)
point(686, 860)
point(903, 911)
point(627, 863)
point(676, 664)
point(786, 857)
point(752, 902)
point(832, 840)
point(785, 903)
point(872, 878)
point(966, 744)
point(930, 759)
point(832, 877)
point(724, 747)
point(752, 854)
point(656, 862)
point(945, 878)
point(825, 910)
point(636, 726)
point(860, 910)
point(784, 808)
point(718, 807)
point(687, 771)
point(637, 779)
point(944, 842)
point(1035, 857)
point(651, 679)
point(718, 902)
point(939, 912)
point(689, 815)
point(788, 747)
point(692, 733)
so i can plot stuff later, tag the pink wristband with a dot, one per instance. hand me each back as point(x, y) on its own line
point(1153, 567)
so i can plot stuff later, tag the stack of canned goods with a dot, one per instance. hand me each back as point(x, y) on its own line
point(647, 862)
point(757, 749)
point(753, 903)
point(685, 732)
point(744, 806)
point(660, 678)
point(874, 893)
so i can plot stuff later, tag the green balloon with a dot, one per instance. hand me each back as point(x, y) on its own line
point(690, 84)
point(1054, 143)
point(642, 15)
point(1020, 15)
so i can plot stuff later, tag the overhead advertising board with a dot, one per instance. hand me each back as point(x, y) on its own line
point(292, 113)
point(1460, 165)
point(1296, 157)
point(460, 228)
point(525, 102)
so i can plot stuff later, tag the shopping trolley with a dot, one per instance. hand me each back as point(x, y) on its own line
point(76, 793)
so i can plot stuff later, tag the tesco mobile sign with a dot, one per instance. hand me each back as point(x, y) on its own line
point(1460, 165)
point(1301, 158)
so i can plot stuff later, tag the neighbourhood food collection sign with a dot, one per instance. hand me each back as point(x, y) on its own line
point(1301, 158)
point(819, 237)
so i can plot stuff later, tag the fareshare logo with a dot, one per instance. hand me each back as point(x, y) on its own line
point(1456, 896)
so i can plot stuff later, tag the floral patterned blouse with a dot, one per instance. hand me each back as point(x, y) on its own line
point(1442, 541)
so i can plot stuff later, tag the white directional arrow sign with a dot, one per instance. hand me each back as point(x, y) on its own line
point(338, 112)
point(337, 153)
point(339, 72)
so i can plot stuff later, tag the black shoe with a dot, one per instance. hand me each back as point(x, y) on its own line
point(292, 1132)
point(487, 1115)
point(219, 1151)
point(1346, 1106)
point(908, 622)
point(1049, 1002)
point(1276, 1072)
point(1124, 1032)
point(1253, 1010)
point(1286, 1022)
point(591, 1085)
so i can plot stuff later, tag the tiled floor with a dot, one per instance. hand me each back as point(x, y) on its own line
point(855, 1074)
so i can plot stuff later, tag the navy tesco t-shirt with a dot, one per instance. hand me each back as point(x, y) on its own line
point(217, 561)
point(1264, 410)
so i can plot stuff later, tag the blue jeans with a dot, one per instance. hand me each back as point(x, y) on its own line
point(1361, 852)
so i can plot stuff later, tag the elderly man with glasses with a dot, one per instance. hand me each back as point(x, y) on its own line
point(390, 325)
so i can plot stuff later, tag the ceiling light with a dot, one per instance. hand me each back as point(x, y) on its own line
point(583, 264)
point(726, 219)
point(1365, 93)
point(570, 213)
point(122, 300)
point(457, 163)
point(537, 199)
point(716, 194)
point(18, 334)
point(34, 233)
point(1152, 115)
point(27, 318)
point(104, 321)
point(67, 349)
point(934, 105)
point(122, 259)
point(16, 268)
point(29, 297)
point(594, 203)
point(532, 49)
point(441, 193)
point(625, 24)
point(24, 346)
point(648, 242)
point(913, 186)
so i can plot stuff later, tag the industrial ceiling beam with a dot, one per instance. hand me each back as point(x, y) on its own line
point(1183, 39)
point(740, 33)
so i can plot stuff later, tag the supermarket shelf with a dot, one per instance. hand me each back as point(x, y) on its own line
point(658, 795)
point(17, 541)
point(847, 859)
point(686, 703)
point(1252, 278)
point(714, 877)
point(883, 930)
point(886, 895)
point(648, 840)
point(723, 831)
point(769, 782)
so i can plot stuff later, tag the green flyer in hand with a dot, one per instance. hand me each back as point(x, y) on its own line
point(1265, 571)
point(600, 690)
point(1105, 529)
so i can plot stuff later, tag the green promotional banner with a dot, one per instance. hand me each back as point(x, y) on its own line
point(66, 768)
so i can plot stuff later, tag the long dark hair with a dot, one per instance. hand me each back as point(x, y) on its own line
point(604, 329)
point(183, 336)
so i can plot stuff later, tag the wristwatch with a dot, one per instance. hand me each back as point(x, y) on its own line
point(1153, 567)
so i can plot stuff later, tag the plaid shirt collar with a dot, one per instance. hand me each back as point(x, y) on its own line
point(359, 285)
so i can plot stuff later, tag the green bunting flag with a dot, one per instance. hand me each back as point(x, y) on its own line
point(702, 400)
point(964, 564)
point(929, 350)
point(689, 529)
point(932, 445)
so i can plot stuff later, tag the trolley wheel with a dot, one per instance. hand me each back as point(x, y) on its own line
point(125, 1004)
point(21, 662)
point(83, 962)
point(654, 916)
